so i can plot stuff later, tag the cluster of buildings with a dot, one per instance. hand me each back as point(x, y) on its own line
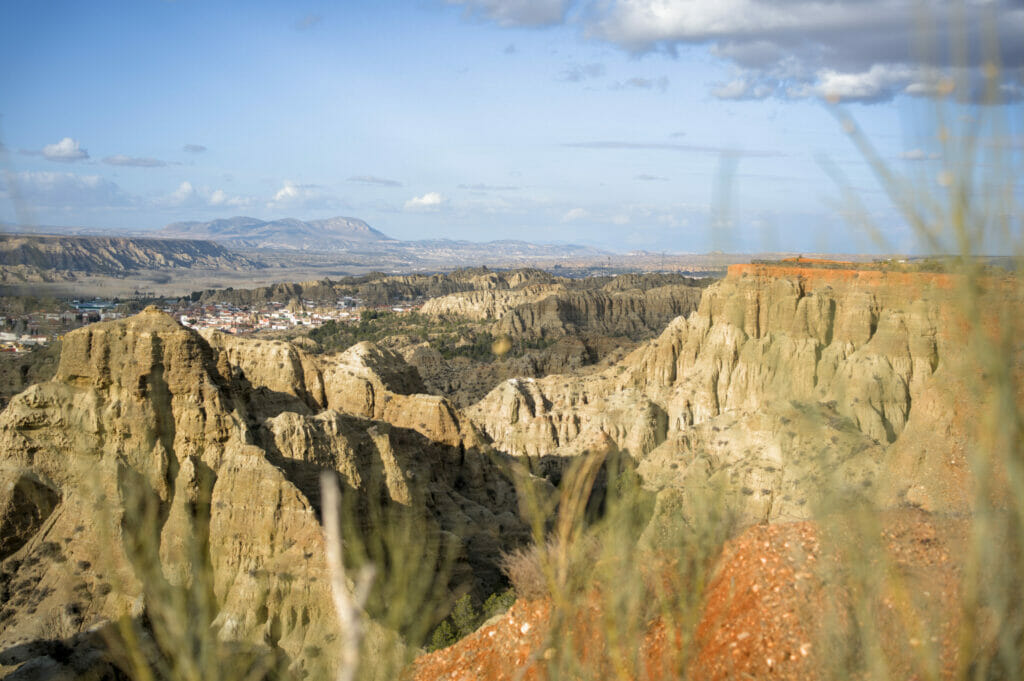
point(22, 332)
point(272, 316)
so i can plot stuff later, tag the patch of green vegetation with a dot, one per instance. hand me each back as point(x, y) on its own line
point(466, 617)
point(450, 337)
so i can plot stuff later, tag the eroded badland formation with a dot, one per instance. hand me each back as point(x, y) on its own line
point(159, 461)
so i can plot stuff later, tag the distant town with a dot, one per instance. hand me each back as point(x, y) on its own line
point(277, 316)
point(20, 332)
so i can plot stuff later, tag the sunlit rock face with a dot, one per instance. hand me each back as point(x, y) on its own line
point(785, 384)
point(156, 457)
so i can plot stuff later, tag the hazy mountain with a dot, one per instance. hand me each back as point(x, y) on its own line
point(354, 237)
point(338, 233)
point(114, 256)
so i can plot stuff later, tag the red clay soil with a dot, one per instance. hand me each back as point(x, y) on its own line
point(775, 595)
point(821, 276)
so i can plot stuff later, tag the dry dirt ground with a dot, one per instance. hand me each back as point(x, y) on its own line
point(780, 606)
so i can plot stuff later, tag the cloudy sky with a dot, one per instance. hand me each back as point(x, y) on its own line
point(675, 125)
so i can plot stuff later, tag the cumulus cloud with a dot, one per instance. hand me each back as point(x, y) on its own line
point(64, 190)
point(65, 151)
point(296, 196)
point(188, 195)
point(574, 214)
point(876, 84)
point(134, 161)
point(741, 89)
point(857, 50)
point(194, 148)
point(183, 193)
point(291, 191)
point(428, 202)
point(373, 179)
point(517, 12)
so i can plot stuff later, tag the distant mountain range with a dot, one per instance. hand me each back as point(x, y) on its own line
point(31, 257)
point(354, 236)
point(341, 240)
point(332, 234)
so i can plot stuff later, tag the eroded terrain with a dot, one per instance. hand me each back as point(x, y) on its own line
point(748, 412)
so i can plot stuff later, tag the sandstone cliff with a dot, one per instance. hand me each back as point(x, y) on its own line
point(625, 306)
point(114, 255)
point(154, 449)
point(377, 288)
point(781, 381)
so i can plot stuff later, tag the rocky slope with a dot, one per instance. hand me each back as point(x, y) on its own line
point(769, 612)
point(466, 381)
point(353, 236)
point(633, 313)
point(242, 232)
point(155, 456)
point(113, 255)
point(783, 380)
point(381, 289)
point(630, 305)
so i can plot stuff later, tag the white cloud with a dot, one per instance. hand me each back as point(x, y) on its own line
point(65, 151)
point(134, 161)
point(801, 48)
point(294, 196)
point(188, 195)
point(221, 198)
point(289, 192)
point(517, 12)
point(183, 193)
point(63, 190)
point(742, 88)
point(876, 84)
point(427, 202)
point(574, 214)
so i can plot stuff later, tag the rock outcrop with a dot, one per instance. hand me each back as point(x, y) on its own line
point(634, 313)
point(781, 380)
point(377, 288)
point(156, 456)
point(114, 255)
point(625, 306)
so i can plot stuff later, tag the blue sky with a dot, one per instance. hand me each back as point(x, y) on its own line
point(676, 125)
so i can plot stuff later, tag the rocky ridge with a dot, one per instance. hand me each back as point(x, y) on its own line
point(100, 255)
point(223, 441)
point(629, 305)
point(381, 289)
point(784, 389)
point(782, 380)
